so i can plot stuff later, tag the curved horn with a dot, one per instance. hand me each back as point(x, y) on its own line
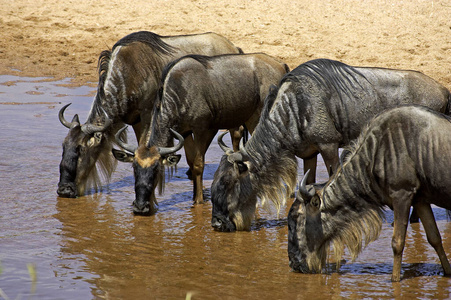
point(91, 128)
point(165, 151)
point(61, 116)
point(306, 194)
point(243, 151)
point(125, 146)
point(221, 143)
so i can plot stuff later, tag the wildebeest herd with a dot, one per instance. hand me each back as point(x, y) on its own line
point(394, 126)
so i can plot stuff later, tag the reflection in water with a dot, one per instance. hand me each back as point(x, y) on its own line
point(94, 247)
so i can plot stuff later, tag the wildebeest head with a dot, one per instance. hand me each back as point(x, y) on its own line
point(232, 194)
point(306, 241)
point(329, 214)
point(148, 166)
point(81, 148)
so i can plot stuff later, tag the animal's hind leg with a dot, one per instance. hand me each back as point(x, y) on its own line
point(402, 200)
point(433, 235)
point(414, 218)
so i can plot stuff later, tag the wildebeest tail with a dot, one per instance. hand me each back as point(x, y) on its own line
point(448, 106)
point(287, 68)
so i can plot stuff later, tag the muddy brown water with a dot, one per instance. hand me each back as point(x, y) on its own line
point(93, 247)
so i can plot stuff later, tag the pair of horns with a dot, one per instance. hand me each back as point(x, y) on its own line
point(162, 150)
point(86, 128)
point(242, 155)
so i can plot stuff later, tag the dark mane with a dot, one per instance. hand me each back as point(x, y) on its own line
point(331, 74)
point(151, 39)
point(269, 101)
point(203, 59)
point(102, 69)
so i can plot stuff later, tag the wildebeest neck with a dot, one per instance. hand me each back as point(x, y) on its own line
point(349, 219)
point(271, 153)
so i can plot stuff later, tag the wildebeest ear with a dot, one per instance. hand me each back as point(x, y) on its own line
point(123, 156)
point(242, 167)
point(172, 160)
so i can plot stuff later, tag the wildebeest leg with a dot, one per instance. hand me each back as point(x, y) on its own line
point(137, 130)
point(310, 164)
point(190, 154)
point(236, 134)
point(414, 218)
point(201, 143)
point(433, 235)
point(329, 153)
point(402, 200)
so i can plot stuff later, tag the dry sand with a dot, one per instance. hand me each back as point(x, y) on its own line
point(63, 39)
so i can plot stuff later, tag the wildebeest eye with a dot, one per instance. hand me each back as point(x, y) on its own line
point(78, 149)
point(242, 167)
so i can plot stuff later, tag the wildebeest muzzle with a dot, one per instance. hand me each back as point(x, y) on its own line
point(222, 223)
point(143, 208)
point(67, 190)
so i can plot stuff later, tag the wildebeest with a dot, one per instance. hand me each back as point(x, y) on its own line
point(400, 160)
point(319, 106)
point(199, 96)
point(129, 76)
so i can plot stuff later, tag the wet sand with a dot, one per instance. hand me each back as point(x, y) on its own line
point(63, 39)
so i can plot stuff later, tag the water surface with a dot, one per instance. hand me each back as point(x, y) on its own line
point(93, 247)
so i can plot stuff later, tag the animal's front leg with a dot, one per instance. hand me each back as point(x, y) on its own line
point(433, 235)
point(201, 142)
point(329, 152)
point(402, 200)
point(137, 128)
point(198, 170)
point(310, 164)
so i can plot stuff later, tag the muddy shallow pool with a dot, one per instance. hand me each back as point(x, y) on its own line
point(94, 247)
